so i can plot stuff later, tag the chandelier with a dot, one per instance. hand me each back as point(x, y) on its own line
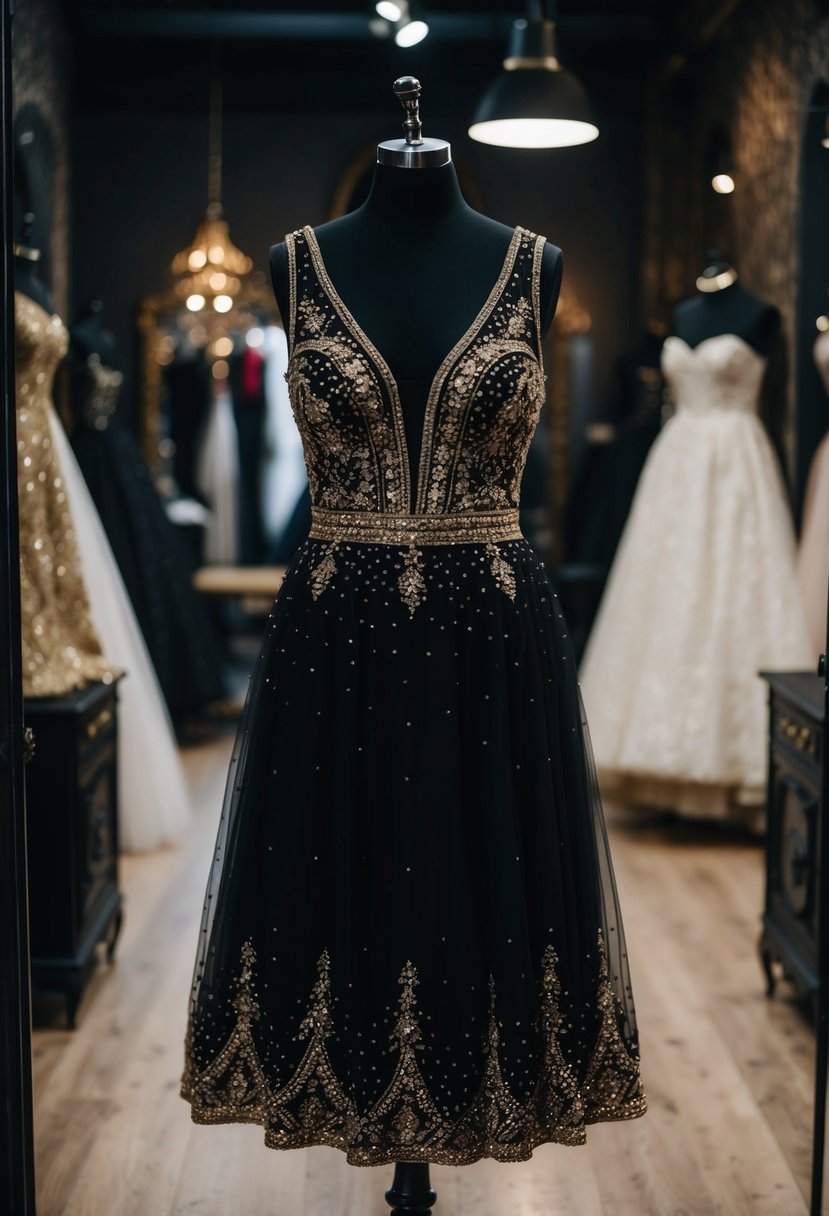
point(210, 270)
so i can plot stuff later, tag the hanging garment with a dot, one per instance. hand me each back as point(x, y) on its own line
point(283, 470)
point(701, 597)
point(411, 947)
point(153, 803)
point(600, 502)
point(246, 382)
point(61, 648)
point(152, 557)
point(217, 479)
point(813, 553)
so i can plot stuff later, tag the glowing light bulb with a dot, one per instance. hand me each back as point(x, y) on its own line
point(195, 302)
point(223, 346)
point(723, 183)
point(218, 280)
point(822, 323)
point(388, 10)
point(534, 132)
point(255, 337)
point(216, 254)
point(220, 370)
point(223, 303)
point(411, 33)
point(196, 259)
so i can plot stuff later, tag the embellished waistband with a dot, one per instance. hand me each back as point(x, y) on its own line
point(377, 527)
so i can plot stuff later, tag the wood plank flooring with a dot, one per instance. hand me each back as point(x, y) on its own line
point(728, 1073)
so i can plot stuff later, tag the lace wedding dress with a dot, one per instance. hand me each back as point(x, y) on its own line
point(701, 597)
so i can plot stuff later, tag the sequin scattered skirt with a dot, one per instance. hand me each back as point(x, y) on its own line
point(411, 947)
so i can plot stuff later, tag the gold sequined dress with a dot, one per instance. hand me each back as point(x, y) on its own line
point(61, 650)
point(411, 947)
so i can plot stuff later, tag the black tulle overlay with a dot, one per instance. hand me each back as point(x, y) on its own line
point(411, 946)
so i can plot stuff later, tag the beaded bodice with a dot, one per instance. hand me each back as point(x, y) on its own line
point(721, 375)
point(481, 412)
point(96, 389)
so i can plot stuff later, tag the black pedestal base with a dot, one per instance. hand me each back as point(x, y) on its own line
point(410, 1193)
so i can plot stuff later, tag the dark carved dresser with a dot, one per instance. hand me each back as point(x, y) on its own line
point(72, 828)
point(796, 743)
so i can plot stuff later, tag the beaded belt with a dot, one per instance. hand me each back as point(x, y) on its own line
point(376, 527)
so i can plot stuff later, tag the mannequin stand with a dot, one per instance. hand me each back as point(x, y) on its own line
point(410, 1193)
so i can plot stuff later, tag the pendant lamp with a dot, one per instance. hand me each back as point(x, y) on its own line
point(210, 270)
point(534, 102)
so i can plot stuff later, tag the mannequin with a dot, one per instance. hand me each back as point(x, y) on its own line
point(25, 279)
point(414, 264)
point(723, 306)
point(813, 551)
point(90, 338)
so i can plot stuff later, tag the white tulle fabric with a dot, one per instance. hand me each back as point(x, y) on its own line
point(153, 803)
point(701, 597)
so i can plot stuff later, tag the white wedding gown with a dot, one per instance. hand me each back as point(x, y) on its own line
point(153, 802)
point(701, 597)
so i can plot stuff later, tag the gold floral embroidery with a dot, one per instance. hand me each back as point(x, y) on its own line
point(411, 582)
point(481, 412)
point(323, 572)
point(406, 1123)
point(502, 571)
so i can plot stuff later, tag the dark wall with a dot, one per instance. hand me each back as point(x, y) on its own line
point(139, 185)
point(756, 80)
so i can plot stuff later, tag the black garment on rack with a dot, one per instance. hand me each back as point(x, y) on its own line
point(153, 559)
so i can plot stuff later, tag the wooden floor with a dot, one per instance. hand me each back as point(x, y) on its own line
point(727, 1072)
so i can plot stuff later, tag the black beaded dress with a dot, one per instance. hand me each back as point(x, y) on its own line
point(411, 947)
point(152, 557)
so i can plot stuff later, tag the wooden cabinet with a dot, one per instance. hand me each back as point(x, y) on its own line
point(793, 838)
point(72, 828)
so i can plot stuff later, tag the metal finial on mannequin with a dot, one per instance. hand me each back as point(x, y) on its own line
point(413, 152)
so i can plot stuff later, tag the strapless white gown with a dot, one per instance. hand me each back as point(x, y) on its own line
point(701, 597)
point(153, 803)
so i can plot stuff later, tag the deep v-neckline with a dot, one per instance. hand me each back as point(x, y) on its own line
point(436, 385)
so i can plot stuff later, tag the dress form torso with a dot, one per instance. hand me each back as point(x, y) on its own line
point(732, 310)
point(414, 264)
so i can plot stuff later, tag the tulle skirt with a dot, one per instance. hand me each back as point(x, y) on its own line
point(411, 947)
point(153, 802)
point(702, 596)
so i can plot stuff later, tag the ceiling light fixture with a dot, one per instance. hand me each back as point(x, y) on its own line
point(534, 102)
point(722, 183)
point(388, 10)
point(211, 268)
point(409, 33)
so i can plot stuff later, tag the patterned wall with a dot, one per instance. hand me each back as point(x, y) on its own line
point(755, 79)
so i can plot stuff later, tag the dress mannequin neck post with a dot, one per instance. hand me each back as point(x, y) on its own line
point(419, 197)
point(27, 282)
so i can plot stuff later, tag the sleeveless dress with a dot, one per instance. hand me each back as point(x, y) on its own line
point(60, 646)
point(701, 597)
point(411, 947)
point(73, 600)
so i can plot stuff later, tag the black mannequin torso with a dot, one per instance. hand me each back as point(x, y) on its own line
point(732, 310)
point(27, 282)
point(414, 265)
point(88, 337)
